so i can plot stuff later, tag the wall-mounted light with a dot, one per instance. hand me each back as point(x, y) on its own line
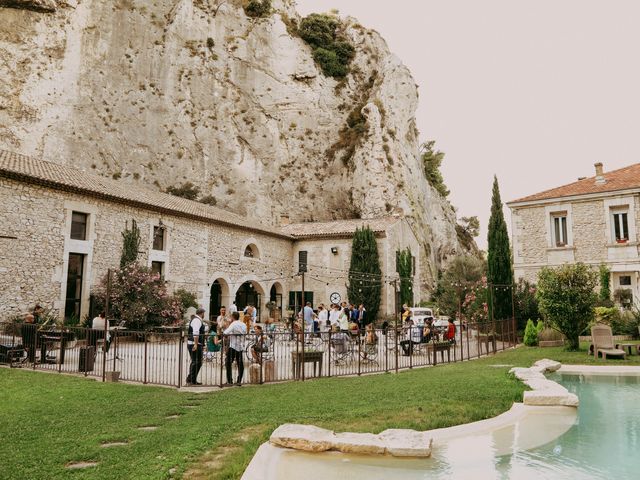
point(334, 250)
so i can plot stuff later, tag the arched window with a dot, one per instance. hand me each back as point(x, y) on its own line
point(248, 252)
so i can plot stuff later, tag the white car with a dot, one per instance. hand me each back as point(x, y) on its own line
point(420, 314)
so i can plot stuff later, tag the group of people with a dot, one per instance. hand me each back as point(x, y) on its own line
point(225, 333)
point(338, 317)
point(422, 333)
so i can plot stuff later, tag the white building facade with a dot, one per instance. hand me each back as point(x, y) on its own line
point(61, 230)
point(594, 221)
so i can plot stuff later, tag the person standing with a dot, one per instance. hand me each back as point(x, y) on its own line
point(343, 320)
point(307, 316)
point(334, 315)
point(362, 315)
point(323, 318)
point(99, 325)
point(195, 341)
point(29, 331)
point(233, 307)
point(223, 319)
point(236, 332)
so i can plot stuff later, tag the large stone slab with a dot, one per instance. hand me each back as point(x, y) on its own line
point(362, 443)
point(546, 365)
point(303, 437)
point(550, 398)
point(407, 443)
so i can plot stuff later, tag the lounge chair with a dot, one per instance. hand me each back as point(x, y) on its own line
point(603, 343)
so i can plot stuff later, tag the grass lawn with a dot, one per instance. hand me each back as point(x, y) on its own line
point(49, 420)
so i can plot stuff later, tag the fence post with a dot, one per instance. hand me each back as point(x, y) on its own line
point(180, 345)
point(495, 334)
point(395, 336)
point(329, 350)
point(359, 351)
point(411, 347)
point(261, 360)
point(386, 350)
point(145, 356)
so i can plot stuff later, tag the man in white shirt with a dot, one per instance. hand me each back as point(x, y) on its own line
point(334, 314)
point(236, 332)
point(99, 324)
point(195, 342)
point(233, 307)
point(323, 316)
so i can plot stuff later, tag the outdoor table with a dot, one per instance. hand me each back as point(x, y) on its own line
point(440, 347)
point(488, 338)
point(627, 347)
point(312, 356)
point(49, 338)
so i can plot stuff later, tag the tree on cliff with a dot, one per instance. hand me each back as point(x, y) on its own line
point(499, 270)
point(431, 161)
point(365, 276)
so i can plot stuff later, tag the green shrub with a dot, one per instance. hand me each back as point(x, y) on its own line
point(331, 48)
point(257, 8)
point(185, 299)
point(530, 334)
point(540, 326)
point(187, 190)
point(567, 299)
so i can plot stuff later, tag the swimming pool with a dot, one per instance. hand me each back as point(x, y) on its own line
point(602, 442)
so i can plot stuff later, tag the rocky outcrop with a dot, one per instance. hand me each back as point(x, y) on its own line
point(194, 90)
point(35, 5)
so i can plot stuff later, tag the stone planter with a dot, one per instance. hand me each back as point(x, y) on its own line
point(112, 376)
point(551, 343)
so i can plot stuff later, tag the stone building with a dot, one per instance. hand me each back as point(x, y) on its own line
point(592, 221)
point(60, 231)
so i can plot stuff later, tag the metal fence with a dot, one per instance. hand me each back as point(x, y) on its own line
point(163, 358)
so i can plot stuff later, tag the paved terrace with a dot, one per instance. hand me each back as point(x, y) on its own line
point(163, 358)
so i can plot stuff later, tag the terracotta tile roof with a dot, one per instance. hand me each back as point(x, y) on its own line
point(338, 228)
point(61, 177)
point(621, 179)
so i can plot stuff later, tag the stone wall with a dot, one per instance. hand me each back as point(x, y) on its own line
point(33, 266)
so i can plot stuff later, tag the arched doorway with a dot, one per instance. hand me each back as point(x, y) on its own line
point(219, 295)
point(249, 294)
point(275, 299)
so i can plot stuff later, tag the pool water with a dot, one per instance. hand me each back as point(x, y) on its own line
point(602, 443)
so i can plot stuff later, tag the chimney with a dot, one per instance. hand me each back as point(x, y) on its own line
point(599, 175)
point(284, 220)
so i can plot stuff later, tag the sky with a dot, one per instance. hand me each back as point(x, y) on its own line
point(534, 92)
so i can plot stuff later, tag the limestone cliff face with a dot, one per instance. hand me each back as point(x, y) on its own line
point(171, 91)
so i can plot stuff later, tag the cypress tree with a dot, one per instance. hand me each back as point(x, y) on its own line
point(365, 279)
point(499, 270)
point(404, 270)
point(130, 244)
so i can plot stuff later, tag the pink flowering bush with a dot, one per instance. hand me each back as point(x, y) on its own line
point(139, 297)
point(475, 305)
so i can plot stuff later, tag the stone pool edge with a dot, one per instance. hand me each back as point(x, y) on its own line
point(544, 394)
